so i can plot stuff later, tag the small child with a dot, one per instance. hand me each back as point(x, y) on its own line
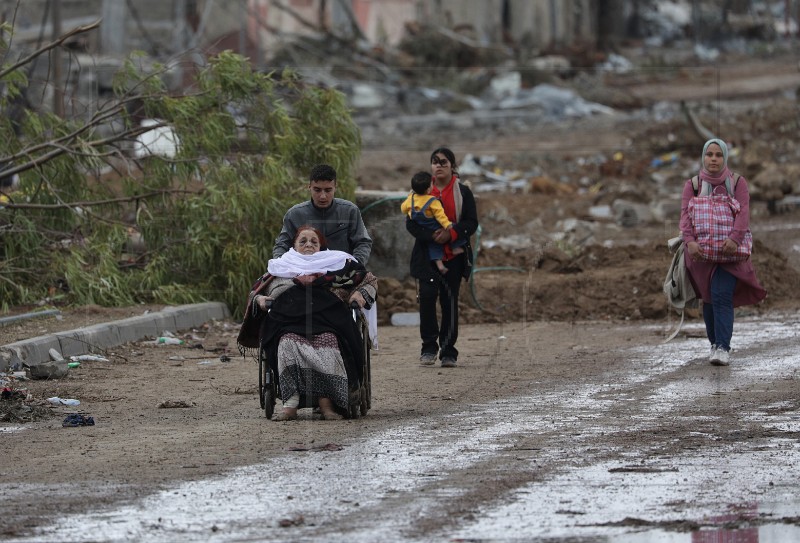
point(427, 211)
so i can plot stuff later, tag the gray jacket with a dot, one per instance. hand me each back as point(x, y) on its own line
point(340, 223)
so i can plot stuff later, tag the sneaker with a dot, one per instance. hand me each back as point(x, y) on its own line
point(712, 352)
point(427, 359)
point(448, 362)
point(720, 358)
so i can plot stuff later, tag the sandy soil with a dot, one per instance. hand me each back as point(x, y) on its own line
point(166, 414)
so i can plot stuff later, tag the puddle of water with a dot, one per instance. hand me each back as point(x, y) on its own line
point(760, 534)
point(702, 489)
point(593, 496)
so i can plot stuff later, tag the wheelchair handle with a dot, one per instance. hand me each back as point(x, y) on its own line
point(267, 302)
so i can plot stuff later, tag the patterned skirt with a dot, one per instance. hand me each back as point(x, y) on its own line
point(312, 369)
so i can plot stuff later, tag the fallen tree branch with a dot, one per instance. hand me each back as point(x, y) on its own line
point(102, 202)
point(52, 45)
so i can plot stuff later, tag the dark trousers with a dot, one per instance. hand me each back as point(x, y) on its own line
point(444, 289)
point(718, 315)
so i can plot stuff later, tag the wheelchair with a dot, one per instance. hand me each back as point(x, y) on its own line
point(360, 396)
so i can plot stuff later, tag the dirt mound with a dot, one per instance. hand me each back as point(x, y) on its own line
point(599, 283)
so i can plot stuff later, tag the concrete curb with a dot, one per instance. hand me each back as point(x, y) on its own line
point(83, 340)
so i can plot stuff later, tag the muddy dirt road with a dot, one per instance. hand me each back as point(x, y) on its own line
point(566, 420)
point(546, 432)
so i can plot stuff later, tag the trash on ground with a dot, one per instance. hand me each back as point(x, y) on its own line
point(49, 370)
point(76, 419)
point(88, 358)
point(55, 355)
point(55, 400)
point(175, 404)
point(163, 340)
point(9, 393)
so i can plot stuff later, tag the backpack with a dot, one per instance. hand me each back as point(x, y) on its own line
point(713, 214)
point(677, 286)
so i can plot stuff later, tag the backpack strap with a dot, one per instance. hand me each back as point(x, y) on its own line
point(730, 184)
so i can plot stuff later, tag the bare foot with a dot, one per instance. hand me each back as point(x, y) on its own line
point(328, 412)
point(442, 267)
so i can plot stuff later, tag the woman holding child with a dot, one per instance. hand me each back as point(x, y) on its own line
point(458, 202)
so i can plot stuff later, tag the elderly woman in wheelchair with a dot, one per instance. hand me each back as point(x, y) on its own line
point(315, 314)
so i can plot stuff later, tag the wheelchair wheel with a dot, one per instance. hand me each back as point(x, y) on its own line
point(269, 403)
point(266, 385)
point(366, 386)
point(364, 405)
point(354, 411)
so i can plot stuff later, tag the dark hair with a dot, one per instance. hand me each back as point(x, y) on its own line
point(323, 243)
point(421, 182)
point(449, 155)
point(322, 172)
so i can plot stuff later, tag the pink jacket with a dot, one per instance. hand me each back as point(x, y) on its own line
point(748, 290)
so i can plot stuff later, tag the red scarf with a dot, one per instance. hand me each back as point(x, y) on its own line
point(449, 204)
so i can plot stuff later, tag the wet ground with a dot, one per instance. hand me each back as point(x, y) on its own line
point(640, 443)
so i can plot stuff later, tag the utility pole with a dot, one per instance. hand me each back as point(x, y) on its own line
point(58, 90)
point(112, 32)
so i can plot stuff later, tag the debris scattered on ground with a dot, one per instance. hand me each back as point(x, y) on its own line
point(326, 447)
point(77, 419)
point(70, 402)
point(175, 404)
point(297, 520)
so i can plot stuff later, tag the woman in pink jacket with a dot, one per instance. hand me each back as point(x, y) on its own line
point(721, 286)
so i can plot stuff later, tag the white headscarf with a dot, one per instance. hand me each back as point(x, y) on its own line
point(291, 263)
